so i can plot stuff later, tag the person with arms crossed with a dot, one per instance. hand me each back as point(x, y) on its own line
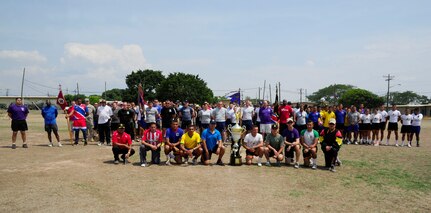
point(49, 114)
point(406, 128)
point(394, 116)
point(416, 125)
point(376, 119)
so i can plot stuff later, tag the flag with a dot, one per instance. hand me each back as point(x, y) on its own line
point(141, 100)
point(235, 97)
point(61, 101)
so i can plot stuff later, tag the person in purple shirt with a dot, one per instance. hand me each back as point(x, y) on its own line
point(340, 115)
point(265, 113)
point(292, 143)
point(18, 113)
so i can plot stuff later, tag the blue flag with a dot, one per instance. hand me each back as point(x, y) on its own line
point(235, 97)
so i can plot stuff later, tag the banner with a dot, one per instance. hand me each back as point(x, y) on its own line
point(141, 100)
point(235, 97)
point(61, 101)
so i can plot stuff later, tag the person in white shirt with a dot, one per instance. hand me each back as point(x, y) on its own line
point(383, 122)
point(394, 116)
point(253, 144)
point(205, 117)
point(416, 125)
point(406, 128)
point(376, 118)
point(247, 116)
point(103, 123)
point(366, 127)
point(300, 118)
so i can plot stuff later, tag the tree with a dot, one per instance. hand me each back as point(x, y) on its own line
point(330, 94)
point(407, 97)
point(94, 98)
point(361, 96)
point(114, 94)
point(69, 98)
point(149, 79)
point(181, 86)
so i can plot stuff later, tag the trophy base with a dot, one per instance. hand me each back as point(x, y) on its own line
point(235, 161)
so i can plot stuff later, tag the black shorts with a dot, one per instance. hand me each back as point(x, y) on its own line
point(166, 124)
point(272, 154)
point(406, 129)
point(366, 127)
point(19, 125)
point(185, 124)
point(210, 152)
point(205, 126)
point(393, 126)
point(382, 125)
point(248, 124)
point(51, 128)
point(375, 126)
point(340, 126)
point(361, 127)
point(248, 153)
point(308, 154)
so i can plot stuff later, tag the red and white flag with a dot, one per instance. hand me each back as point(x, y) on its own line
point(61, 101)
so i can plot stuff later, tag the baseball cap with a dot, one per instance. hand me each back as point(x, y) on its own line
point(121, 126)
point(332, 121)
point(289, 120)
point(86, 99)
point(213, 122)
point(285, 101)
point(274, 126)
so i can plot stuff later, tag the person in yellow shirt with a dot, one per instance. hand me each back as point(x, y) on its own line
point(191, 145)
point(326, 116)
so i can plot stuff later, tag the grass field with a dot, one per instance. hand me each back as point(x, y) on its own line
point(84, 179)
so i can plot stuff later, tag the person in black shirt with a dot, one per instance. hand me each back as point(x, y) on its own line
point(168, 113)
point(127, 118)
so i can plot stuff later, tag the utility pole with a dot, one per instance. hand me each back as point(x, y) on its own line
point(388, 78)
point(77, 88)
point(22, 85)
point(7, 92)
point(300, 95)
point(105, 92)
point(270, 94)
point(259, 95)
point(264, 87)
point(279, 92)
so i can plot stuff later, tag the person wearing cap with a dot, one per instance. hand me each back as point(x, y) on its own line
point(309, 139)
point(291, 138)
point(285, 112)
point(331, 141)
point(186, 114)
point(121, 144)
point(219, 114)
point(274, 146)
point(172, 142)
point(79, 112)
point(104, 113)
point(191, 145)
point(212, 143)
point(89, 119)
point(253, 145)
point(49, 114)
point(151, 140)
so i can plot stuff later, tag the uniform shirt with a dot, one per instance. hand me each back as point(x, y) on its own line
point(340, 116)
point(314, 116)
point(275, 142)
point(384, 115)
point(123, 138)
point(150, 114)
point(126, 115)
point(49, 113)
point(366, 119)
point(232, 115)
point(284, 112)
point(174, 136)
point(376, 118)
point(104, 113)
point(211, 138)
point(190, 142)
point(19, 112)
point(219, 114)
point(407, 119)
point(417, 119)
point(326, 117)
point(153, 138)
point(393, 116)
point(265, 115)
point(205, 116)
point(79, 112)
point(353, 117)
point(309, 136)
point(186, 113)
point(91, 111)
point(251, 141)
point(167, 114)
point(247, 113)
point(301, 118)
point(290, 135)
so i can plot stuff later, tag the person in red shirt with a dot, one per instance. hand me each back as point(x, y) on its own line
point(151, 140)
point(121, 144)
point(285, 112)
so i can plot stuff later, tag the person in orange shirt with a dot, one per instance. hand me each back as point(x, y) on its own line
point(121, 144)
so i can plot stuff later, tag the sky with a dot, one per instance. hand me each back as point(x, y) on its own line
point(230, 44)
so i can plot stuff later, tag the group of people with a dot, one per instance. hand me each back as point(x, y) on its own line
point(188, 131)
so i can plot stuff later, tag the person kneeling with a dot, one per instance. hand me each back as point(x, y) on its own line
point(253, 144)
point(121, 144)
point(274, 145)
point(151, 140)
point(191, 145)
point(309, 138)
point(331, 144)
point(212, 143)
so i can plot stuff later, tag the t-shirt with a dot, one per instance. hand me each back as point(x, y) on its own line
point(231, 115)
point(314, 116)
point(167, 114)
point(49, 113)
point(340, 115)
point(150, 114)
point(186, 113)
point(123, 138)
point(19, 112)
point(251, 141)
point(91, 111)
point(290, 135)
point(309, 136)
point(205, 116)
point(126, 115)
point(407, 119)
point(366, 119)
point(256, 112)
point(190, 142)
point(174, 136)
point(376, 118)
point(326, 116)
point(247, 113)
point(284, 112)
point(353, 117)
point(211, 138)
point(104, 113)
point(265, 115)
point(301, 118)
point(219, 114)
point(384, 115)
point(79, 112)
point(275, 142)
point(393, 116)
point(417, 119)
point(152, 138)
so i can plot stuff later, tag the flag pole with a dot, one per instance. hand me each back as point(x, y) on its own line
point(68, 123)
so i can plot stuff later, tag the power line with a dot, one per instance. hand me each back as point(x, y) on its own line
point(41, 85)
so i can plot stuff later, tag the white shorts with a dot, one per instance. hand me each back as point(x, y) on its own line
point(265, 128)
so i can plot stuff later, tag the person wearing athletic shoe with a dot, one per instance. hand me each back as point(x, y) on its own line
point(383, 122)
point(104, 113)
point(204, 116)
point(127, 118)
point(416, 125)
point(151, 140)
point(274, 146)
point(151, 114)
point(212, 143)
point(186, 114)
point(366, 127)
point(247, 113)
point(191, 145)
point(394, 117)
point(285, 112)
point(265, 113)
point(89, 119)
point(340, 116)
point(376, 118)
point(313, 116)
point(49, 114)
point(331, 141)
point(291, 136)
point(406, 128)
point(253, 145)
point(353, 118)
point(121, 144)
point(300, 118)
point(309, 139)
point(168, 114)
point(219, 114)
point(327, 115)
point(79, 112)
point(18, 113)
point(172, 143)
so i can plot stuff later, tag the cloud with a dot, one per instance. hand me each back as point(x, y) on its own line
point(19, 55)
point(310, 62)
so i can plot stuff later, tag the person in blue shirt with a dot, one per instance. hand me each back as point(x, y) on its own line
point(212, 143)
point(340, 115)
point(172, 143)
point(49, 114)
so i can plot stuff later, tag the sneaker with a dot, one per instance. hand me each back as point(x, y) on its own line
point(259, 164)
point(417, 144)
point(171, 155)
point(92, 140)
point(278, 164)
point(409, 145)
point(13, 146)
point(356, 142)
point(314, 166)
point(396, 145)
point(50, 144)
point(144, 165)
point(100, 144)
point(186, 163)
point(194, 161)
point(332, 169)
point(349, 142)
point(220, 163)
point(376, 144)
point(168, 162)
point(338, 162)
point(59, 144)
point(75, 144)
point(267, 164)
point(85, 143)
point(108, 144)
point(296, 166)
point(116, 162)
point(24, 146)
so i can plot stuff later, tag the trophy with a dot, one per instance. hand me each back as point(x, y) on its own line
point(236, 132)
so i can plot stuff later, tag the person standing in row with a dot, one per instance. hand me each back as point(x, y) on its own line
point(127, 118)
point(168, 114)
point(383, 122)
point(89, 119)
point(104, 113)
point(79, 112)
point(204, 117)
point(18, 113)
point(49, 114)
point(394, 117)
point(285, 112)
point(416, 125)
point(186, 113)
point(265, 113)
point(219, 114)
point(406, 128)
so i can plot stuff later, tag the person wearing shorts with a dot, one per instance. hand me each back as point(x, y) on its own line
point(186, 114)
point(353, 118)
point(383, 122)
point(204, 116)
point(191, 145)
point(253, 144)
point(309, 139)
point(406, 128)
point(274, 143)
point(300, 118)
point(49, 114)
point(172, 143)
point(285, 112)
point(212, 144)
point(292, 144)
point(265, 113)
point(168, 113)
point(18, 113)
point(416, 125)
point(366, 127)
point(394, 117)
point(340, 116)
point(219, 114)
point(376, 119)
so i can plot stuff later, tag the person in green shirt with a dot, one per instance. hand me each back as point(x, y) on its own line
point(274, 145)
